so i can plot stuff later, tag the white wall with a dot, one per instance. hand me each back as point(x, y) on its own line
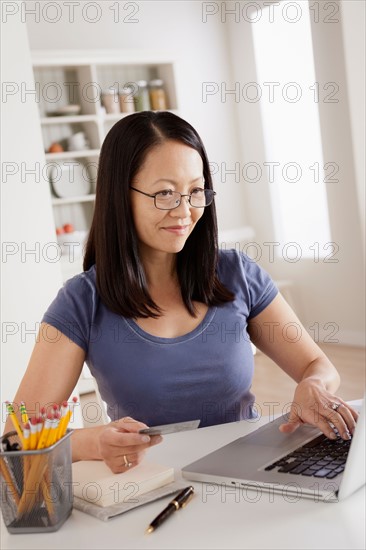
point(218, 52)
point(200, 53)
point(29, 281)
point(329, 297)
point(353, 24)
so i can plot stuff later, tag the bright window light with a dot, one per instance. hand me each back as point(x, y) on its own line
point(291, 128)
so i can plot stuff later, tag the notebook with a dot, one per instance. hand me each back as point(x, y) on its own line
point(270, 460)
point(94, 482)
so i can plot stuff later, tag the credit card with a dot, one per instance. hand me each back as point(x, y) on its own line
point(171, 428)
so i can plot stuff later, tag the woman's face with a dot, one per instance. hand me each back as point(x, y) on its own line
point(171, 166)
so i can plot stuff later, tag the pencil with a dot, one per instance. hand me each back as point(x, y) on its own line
point(32, 486)
point(33, 433)
point(26, 446)
point(45, 431)
point(64, 411)
point(40, 424)
point(8, 479)
point(26, 438)
point(54, 429)
point(11, 412)
point(43, 413)
point(69, 414)
point(23, 412)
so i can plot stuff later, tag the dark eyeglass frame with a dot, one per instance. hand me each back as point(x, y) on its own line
point(180, 200)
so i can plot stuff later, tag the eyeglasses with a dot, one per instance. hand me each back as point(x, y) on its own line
point(168, 199)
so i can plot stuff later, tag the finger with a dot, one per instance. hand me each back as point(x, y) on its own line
point(348, 418)
point(335, 417)
point(123, 443)
point(293, 420)
point(289, 427)
point(132, 458)
point(155, 439)
point(353, 412)
point(139, 448)
point(116, 438)
point(128, 424)
point(123, 463)
point(323, 426)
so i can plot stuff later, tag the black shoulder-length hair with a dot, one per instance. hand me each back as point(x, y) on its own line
point(113, 243)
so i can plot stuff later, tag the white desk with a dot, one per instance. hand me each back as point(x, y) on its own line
point(226, 519)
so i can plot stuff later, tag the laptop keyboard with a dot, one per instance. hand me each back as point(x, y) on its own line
point(321, 457)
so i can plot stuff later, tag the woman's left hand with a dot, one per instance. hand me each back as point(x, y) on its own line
point(314, 404)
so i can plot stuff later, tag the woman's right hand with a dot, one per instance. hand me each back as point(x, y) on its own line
point(122, 447)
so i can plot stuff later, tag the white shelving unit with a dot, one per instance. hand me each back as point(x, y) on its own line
point(77, 77)
point(73, 77)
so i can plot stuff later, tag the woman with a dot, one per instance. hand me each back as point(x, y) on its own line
point(162, 318)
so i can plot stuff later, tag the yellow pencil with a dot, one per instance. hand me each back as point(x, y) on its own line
point(9, 481)
point(14, 419)
point(33, 433)
point(39, 428)
point(69, 414)
point(43, 413)
point(26, 446)
point(54, 429)
point(23, 412)
point(64, 411)
point(44, 433)
point(26, 438)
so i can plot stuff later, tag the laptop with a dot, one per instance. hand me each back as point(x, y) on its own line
point(305, 463)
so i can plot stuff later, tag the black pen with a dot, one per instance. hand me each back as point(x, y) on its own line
point(179, 501)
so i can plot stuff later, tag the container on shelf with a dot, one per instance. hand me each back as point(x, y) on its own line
point(72, 244)
point(70, 180)
point(77, 142)
point(110, 100)
point(158, 100)
point(142, 99)
point(92, 109)
point(126, 100)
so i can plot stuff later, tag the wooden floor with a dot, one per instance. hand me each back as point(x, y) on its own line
point(271, 384)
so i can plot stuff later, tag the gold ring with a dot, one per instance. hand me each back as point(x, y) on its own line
point(128, 464)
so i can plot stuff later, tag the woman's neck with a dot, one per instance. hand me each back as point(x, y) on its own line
point(160, 269)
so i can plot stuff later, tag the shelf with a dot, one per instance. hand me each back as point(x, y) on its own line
point(81, 68)
point(73, 154)
point(68, 119)
point(117, 116)
point(70, 200)
point(83, 58)
point(114, 116)
point(109, 117)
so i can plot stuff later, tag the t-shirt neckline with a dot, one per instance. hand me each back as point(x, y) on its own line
point(210, 313)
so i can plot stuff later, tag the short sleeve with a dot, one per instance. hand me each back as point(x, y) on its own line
point(261, 288)
point(251, 285)
point(71, 311)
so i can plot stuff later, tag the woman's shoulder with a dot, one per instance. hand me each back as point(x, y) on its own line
point(81, 289)
point(232, 258)
point(74, 308)
point(85, 279)
point(236, 267)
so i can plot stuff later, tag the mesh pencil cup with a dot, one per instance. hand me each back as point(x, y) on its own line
point(36, 486)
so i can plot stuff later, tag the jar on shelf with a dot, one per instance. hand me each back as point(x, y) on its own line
point(126, 100)
point(157, 95)
point(142, 100)
point(110, 100)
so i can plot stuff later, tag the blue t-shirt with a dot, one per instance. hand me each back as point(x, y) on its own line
point(204, 374)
